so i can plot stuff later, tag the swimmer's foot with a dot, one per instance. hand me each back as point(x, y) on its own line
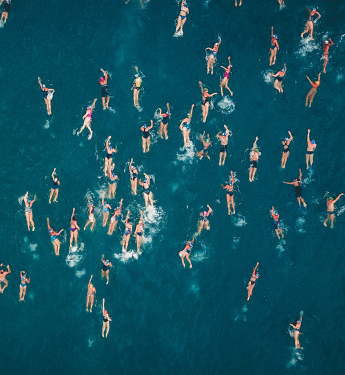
point(325, 224)
point(304, 204)
point(107, 283)
point(33, 229)
point(190, 266)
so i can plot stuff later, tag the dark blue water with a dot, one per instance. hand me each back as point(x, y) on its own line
point(167, 319)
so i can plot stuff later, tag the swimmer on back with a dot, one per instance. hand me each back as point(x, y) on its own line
point(212, 56)
point(224, 82)
point(330, 210)
point(311, 94)
point(182, 18)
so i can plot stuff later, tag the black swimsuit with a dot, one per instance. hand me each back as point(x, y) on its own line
point(285, 149)
point(146, 133)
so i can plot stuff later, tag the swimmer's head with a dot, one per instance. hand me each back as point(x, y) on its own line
point(140, 221)
point(299, 320)
point(326, 42)
point(88, 106)
point(317, 82)
point(286, 139)
point(28, 200)
point(55, 179)
point(257, 274)
point(145, 180)
point(145, 126)
point(275, 36)
point(205, 213)
point(136, 76)
point(91, 203)
point(256, 149)
point(275, 213)
point(190, 244)
point(330, 198)
point(107, 262)
point(313, 141)
point(101, 79)
point(44, 86)
point(168, 112)
point(216, 44)
point(132, 166)
point(207, 141)
point(189, 116)
point(314, 9)
point(114, 174)
point(105, 312)
point(91, 285)
point(50, 230)
point(224, 134)
point(205, 89)
point(283, 70)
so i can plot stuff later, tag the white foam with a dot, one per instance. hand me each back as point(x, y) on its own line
point(36, 256)
point(307, 45)
point(80, 273)
point(340, 210)
point(226, 105)
point(239, 220)
point(33, 246)
point(2, 23)
point(125, 256)
point(21, 200)
point(74, 255)
point(186, 154)
point(339, 77)
point(46, 125)
point(268, 78)
point(300, 222)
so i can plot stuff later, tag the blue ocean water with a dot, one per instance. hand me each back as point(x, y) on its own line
point(167, 319)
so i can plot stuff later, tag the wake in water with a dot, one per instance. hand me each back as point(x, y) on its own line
point(239, 220)
point(226, 105)
point(300, 224)
point(267, 76)
point(186, 154)
point(75, 255)
point(307, 45)
point(242, 314)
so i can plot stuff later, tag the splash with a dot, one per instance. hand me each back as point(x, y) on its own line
point(80, 273)
point(339, 78)
point(125, 256)
point(307, 45)
point(340, 210)
point(2, 24)
point(154, 221)
point(186, 154)
point(239, 220)
point(46, 125)
point(226, 105)
point(33, 246)
point(268, 78)
point(74, 255)
point(300, 223)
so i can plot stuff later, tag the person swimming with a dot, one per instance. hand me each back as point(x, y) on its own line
point(286, 151)
point(3, 275)
point(182, 18)
point(105, 208)
point(24, 280)
point(139, 231)
point(163, 129)
point(224, 82)
point(90, 297)
point(103, 81)
point(298, 190)
point(88, 118)
point(5, 10)
point(330, 210)
point(28, 211)
point(278, 85)
point(91, 218)
point(127, 233)
point(54, 191)
point(147, 193)
point(105, 268)
point(205, 104)
point(297, 331)
point(133, 177)
point(277, 227)
point(206, 143)
point(47, 96)
point(185, 253)
point(212, 56)
point(274, 48)
point(204, 221)
point(106, 320)
point(185, 127)
point(136, 87)
point(311, 94)
point(309, 27)
point(326, 45)
point(74, 229)
point(115, 219)
point(230, 194)
point(53, 237)
point(311, 146)
point(254, 157)
point(252, 281)
point(146, 138)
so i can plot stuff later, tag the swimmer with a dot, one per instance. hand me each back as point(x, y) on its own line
point(112, 182)
point(5, 10)
point(88, 118)
point(206, 143)
point(212, 56)
point(115, 219)
point(3, 275)
point(185, 253)
point(106, 320)
point(105, 268)
point(298, 190)
point(274, 48)
point(224, 139)
point(148, 196)
point(205, 105)
point(127, 233)
point(91, 220)
point(74, 230)
point(286, 151)
point(133, 176)
point(136, 87)
point(90, 297)
point(278, 85)
point(54, 191)
point(251, 283)
point(330, 210)
point(309, 27)
point(313, 90)
point(103, 81)
point(240, 4)
point(28, 211)
point(53, 237)
point(297, 332)
point(311, 146)
point(182, 18)
point(105, 208)
point(185, 127)
point(139, 231)
point(109, 156)
point(281, 2)
point(326, 46)
point(22, 287)
point(230, 194)
point(145, 129)
point(164, 123)
point(224, 82)
point(204, 221)
point(47, 96)
point(254, 157)
point(277, 228)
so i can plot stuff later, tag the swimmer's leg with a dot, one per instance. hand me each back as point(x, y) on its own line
point(226, 86)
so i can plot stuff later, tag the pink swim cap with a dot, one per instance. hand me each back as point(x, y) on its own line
point(102, 78)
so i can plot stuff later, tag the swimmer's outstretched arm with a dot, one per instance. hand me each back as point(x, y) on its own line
point(338, 197)
point(254, 271)
point(103, 198)
point(308, 134)
point(127, 216)
point(168, 107)
point(60, 232)
point(319, 77)
point(90, 280)
point(48, 224)
point(34, 199)
point(232, 178)
point(285, 67)
point(272, 33)
point(209, 210)
point(274, 75)
point(103, 307)
point(151, 126)
point(105, 75)
point(39, 79)
point(310, 81)
point(202, 89)
point(93, 105)
point(215, 93)
point(53, 174)
point(254, 144)
point(300, 175)
point(191, 111)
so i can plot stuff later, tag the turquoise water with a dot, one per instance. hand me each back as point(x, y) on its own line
point(167, 319)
